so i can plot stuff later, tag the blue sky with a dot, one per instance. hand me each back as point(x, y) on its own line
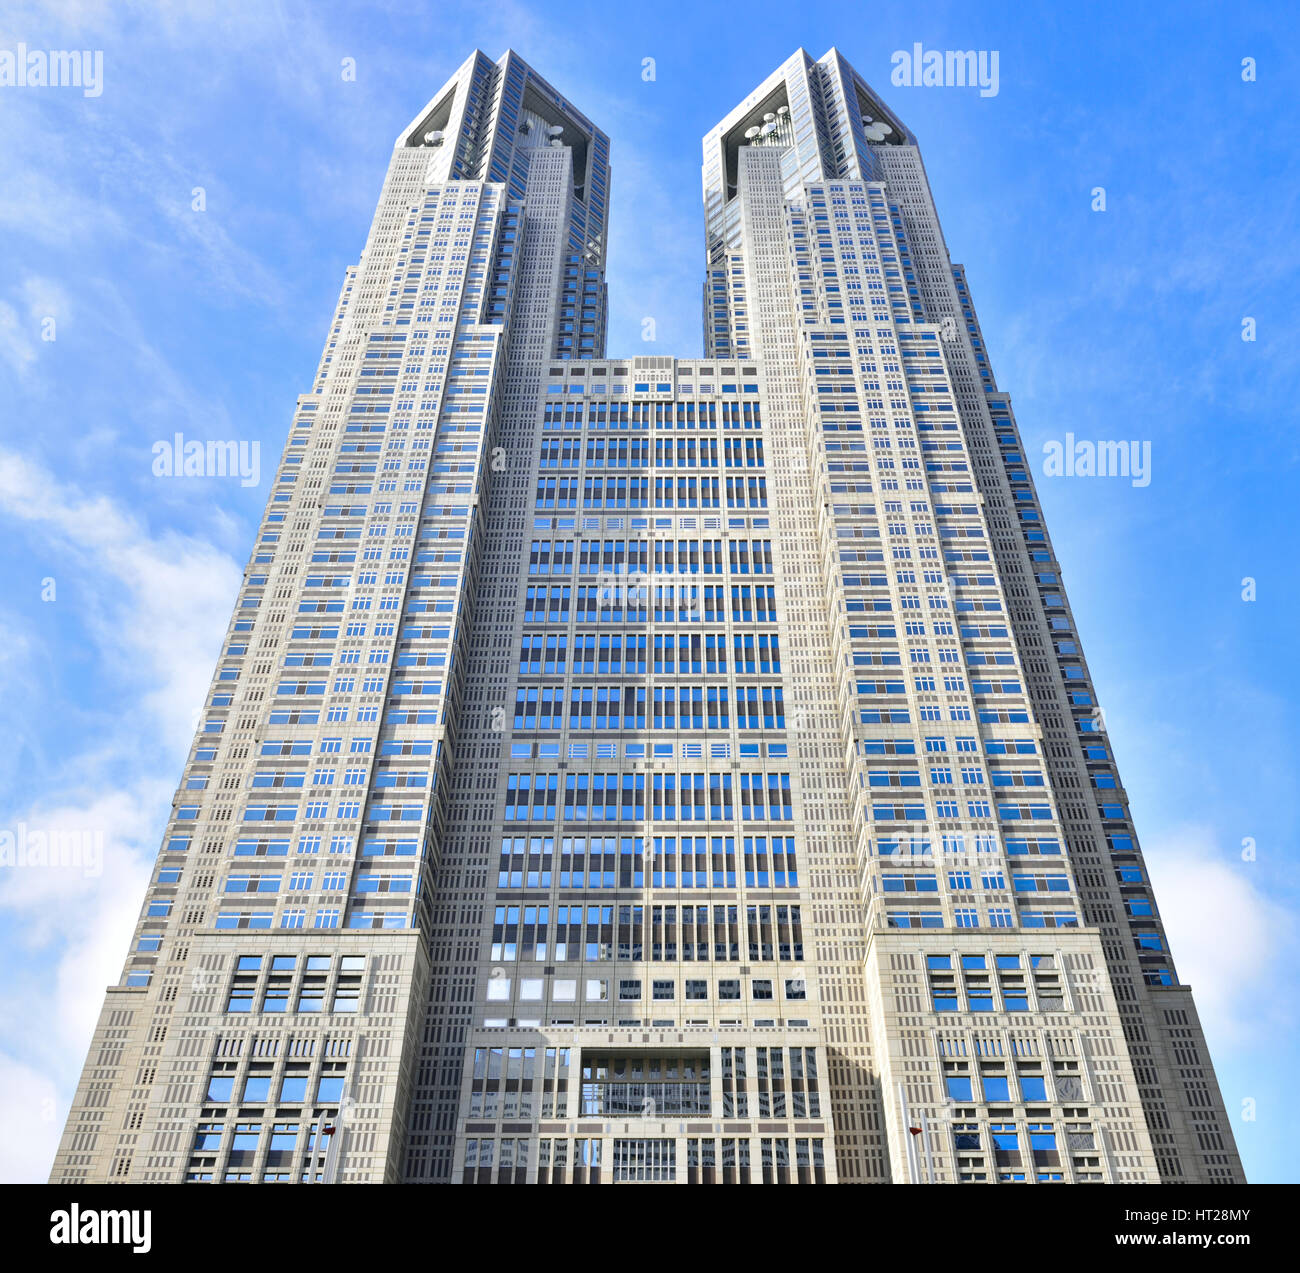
point(1117, 324)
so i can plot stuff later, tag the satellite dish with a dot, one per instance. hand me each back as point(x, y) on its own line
point(433, 139)
point(751, 133)
point(782, 110)
point(769, 117)
point(555, 130)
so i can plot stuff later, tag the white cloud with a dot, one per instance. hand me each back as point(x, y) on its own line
point(162, 603)
point(1230, 942)
point(17, 345)
point(37, 205)
point(20, 325)
point(156, 607)
point(66, 934)
point(31, 1122)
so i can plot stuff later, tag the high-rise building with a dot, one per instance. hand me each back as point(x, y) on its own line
point(651, 769)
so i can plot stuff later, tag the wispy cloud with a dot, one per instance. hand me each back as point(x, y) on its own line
point(161, 603)
point(1229, 939)
point(155, 607)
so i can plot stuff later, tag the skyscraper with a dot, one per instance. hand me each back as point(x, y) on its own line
point(651, 769)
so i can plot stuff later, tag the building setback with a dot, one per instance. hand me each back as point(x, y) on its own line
point(651, 770)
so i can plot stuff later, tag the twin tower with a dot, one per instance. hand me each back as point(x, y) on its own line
point(651, 770)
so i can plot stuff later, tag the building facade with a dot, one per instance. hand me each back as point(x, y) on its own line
point(651, 770)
